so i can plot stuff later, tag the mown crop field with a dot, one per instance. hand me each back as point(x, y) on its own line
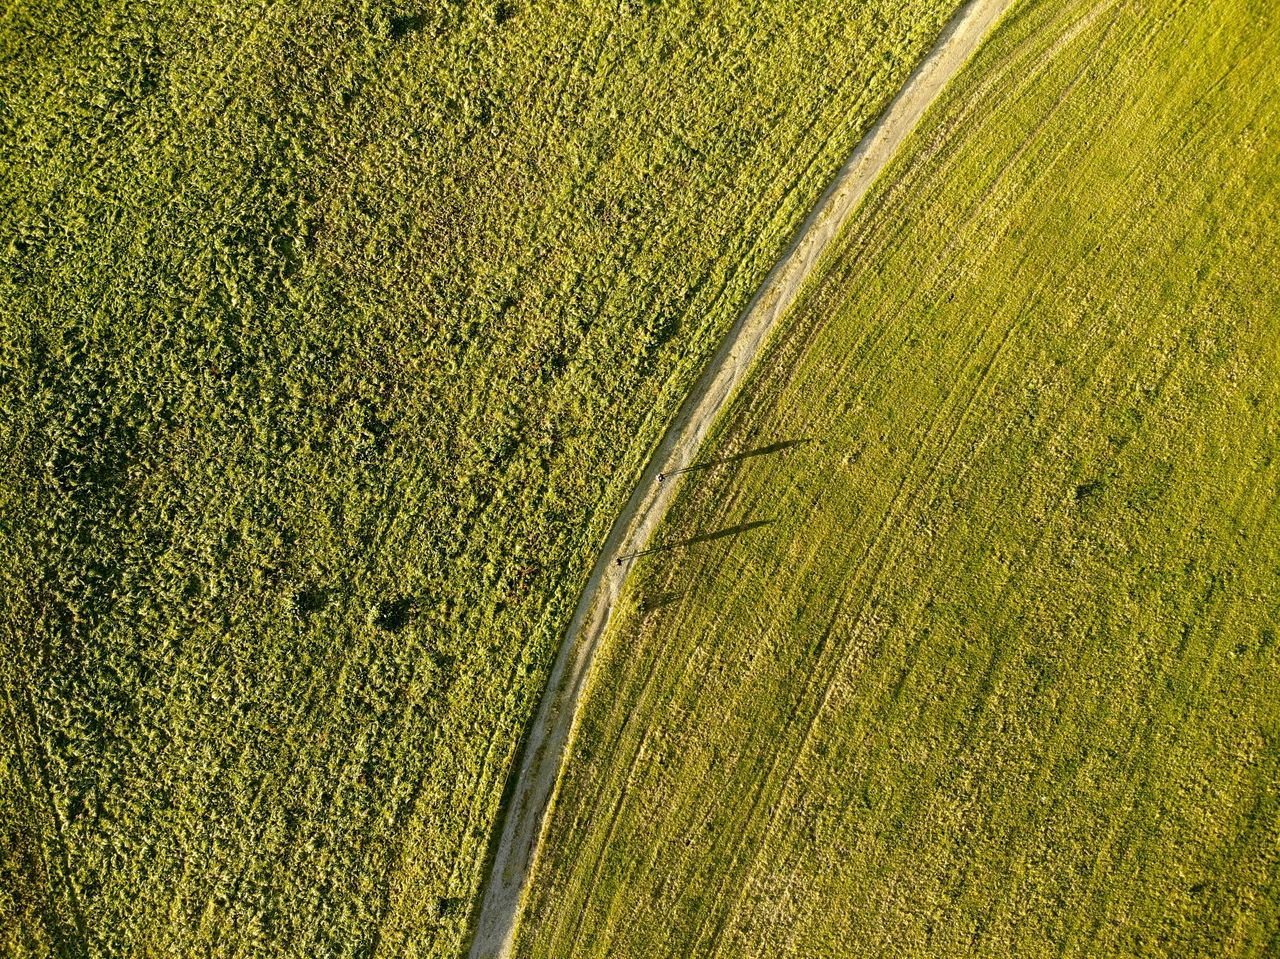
point(987, 664)
point(332, 336)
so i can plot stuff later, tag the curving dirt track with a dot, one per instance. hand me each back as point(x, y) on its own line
point(535, 781)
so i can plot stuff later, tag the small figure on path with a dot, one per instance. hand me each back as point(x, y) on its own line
point(618, 561)
point(661, 477)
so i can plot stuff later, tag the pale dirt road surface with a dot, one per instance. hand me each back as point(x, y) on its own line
point(540, 764)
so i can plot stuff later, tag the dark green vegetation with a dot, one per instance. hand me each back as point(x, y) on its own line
point(332, 336)
point(997, 673)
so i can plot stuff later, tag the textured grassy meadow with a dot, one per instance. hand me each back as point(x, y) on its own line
point(990, 666)
point(332, 336)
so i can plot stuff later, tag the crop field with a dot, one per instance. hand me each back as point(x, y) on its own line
point(961, 636)
point(332, 337)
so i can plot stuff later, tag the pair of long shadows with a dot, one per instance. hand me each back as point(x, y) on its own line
point(740, 528)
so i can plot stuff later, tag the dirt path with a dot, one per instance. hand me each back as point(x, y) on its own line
point(540, 764)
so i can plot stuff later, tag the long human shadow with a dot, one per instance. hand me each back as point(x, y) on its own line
point(737, 530)
point(738, 457)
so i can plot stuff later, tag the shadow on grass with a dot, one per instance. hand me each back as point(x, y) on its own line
point(737, 530)
point(649, 603)
point(739, 457)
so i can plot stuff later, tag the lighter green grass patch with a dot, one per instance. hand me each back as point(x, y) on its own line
point(997, 675)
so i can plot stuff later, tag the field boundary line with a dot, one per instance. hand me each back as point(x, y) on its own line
point(538, 773)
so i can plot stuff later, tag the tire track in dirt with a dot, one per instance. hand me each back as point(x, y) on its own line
point(538, 773)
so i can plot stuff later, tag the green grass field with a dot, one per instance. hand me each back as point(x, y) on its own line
point(988, 663)
point(332, 337)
